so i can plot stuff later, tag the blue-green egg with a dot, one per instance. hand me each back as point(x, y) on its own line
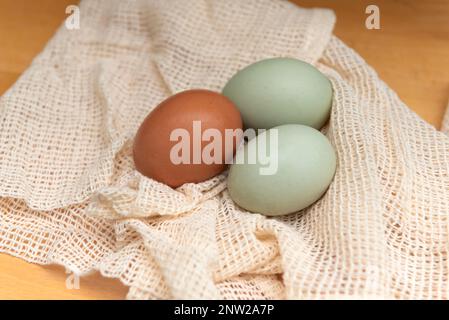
point(279, 91)
point(294, 172)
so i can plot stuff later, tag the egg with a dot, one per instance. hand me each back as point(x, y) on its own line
point(184, 140)
point(279, 91)
point(298, 166)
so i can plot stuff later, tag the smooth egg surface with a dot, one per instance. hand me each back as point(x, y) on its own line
point(306, 164)
point(153, 144)
point(279, 91)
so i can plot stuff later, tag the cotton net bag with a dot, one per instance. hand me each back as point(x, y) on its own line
point(70, 195)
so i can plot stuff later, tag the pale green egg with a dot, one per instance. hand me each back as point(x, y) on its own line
point(300, 168)
point(280, 91)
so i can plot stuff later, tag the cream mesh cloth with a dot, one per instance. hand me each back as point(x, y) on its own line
point(69, 193)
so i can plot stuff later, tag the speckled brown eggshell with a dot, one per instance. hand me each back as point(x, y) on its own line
point(152, 143)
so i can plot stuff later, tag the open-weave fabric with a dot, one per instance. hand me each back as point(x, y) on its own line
point(69, 193)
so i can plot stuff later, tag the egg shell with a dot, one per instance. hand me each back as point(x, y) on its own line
point(152, 145)
point(306, 164)
point(279, 91)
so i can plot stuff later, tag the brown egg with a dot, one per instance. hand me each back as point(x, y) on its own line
point(184, 140)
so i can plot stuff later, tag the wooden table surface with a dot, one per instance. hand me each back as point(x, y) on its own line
point(410, 52)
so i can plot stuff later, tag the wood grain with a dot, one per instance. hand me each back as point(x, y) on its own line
point(25, 28)
point(410, 52)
